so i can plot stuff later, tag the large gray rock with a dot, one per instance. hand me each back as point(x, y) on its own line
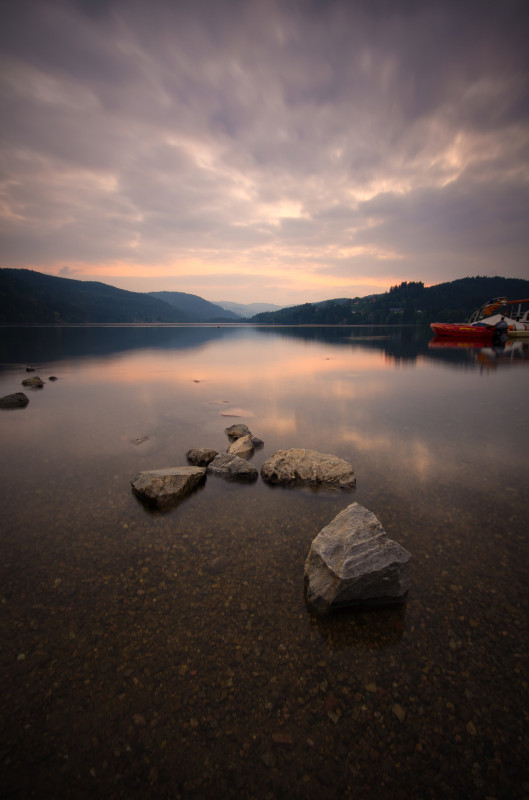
point(201, 456)
point(231, 466)
point(352, 562)
point(162, 487)
point(17, 400)
point(242, 447)
point(300, 466)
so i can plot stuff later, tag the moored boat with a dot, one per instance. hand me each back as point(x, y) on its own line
point(511, 315)
point(463, 330)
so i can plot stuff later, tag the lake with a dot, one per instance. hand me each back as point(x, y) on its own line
point(171, 654)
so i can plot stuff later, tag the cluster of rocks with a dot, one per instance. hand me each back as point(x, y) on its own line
point(165, 487)
point(19, 399)
point(351, 562)
point(292, 467)
point(233, 464)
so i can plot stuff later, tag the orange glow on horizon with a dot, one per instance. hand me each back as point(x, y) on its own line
point(284, 285)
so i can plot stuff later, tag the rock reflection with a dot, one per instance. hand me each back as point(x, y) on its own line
point(373, 629)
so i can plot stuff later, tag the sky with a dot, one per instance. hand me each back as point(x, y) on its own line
point(279, 151)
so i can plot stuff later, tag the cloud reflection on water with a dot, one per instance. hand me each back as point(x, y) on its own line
point(128, 607)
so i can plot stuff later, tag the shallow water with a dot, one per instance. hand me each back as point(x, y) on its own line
point(172, 655)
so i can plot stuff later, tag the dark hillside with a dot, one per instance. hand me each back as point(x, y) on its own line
point(29, 297)
point(196, 308)
point(32, 297)
point(409, 302)
point(456, 300)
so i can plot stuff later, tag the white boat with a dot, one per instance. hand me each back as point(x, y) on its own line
point(514, 312)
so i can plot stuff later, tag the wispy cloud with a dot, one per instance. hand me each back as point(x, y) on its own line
point(277, 150)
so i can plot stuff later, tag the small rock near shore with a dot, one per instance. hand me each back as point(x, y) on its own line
point(242, 447)
point(201, 456)
point(162, 487)
point(237, 430)
point(233, 467)
point(34, 382)
point(17, 400)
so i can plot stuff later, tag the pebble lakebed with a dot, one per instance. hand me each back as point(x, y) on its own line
point(153, 654)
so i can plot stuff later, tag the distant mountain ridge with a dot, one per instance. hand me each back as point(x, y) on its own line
point(27, 296)
point(248, 309)
point(196, 308)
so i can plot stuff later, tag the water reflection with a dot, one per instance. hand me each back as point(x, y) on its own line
point(172, 655)
point(398, 344)
point(373, 629)
point(512, 352)
point(41, 344)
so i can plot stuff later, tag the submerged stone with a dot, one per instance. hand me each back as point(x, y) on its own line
point(242, 447)
point(16, 400)
point(34, 382)
point(162, 487)
point(300, 466)
point(237, 431)
point(233, 467)
point(201, 456)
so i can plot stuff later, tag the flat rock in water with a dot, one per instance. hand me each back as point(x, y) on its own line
point(242, 447)
point(163, 487)
point(300, 466)
point(352, 562)
point(33, 383)
point(201, 456)
point(237, 412)
point(139, 440)
point(17, 400)
point(231, 466)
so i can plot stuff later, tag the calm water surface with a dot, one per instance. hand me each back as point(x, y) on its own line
point(171, 655)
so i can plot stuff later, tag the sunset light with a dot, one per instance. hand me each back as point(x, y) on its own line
point(290, 154)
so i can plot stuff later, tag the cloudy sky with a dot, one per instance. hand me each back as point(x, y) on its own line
point(265, 150)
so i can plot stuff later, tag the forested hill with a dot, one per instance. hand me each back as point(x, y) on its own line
point(196, 308)
point(27, 296)
point(409, 302)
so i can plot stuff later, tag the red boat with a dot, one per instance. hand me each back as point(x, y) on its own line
point(463, 330)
